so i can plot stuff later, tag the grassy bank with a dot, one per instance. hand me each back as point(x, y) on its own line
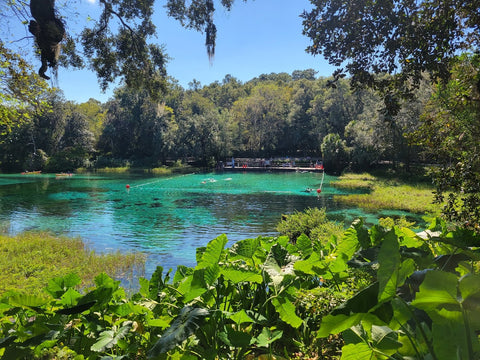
point(384, 192)
point(30, 260)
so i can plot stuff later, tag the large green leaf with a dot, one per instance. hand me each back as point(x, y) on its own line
point(311, 266)
point(213, 252)
point(268, 336)
point(362, 302)
point(360, 351)
point(286, 310)
point(70, 297)
point(241, 317)
point(304, 245)
point(211, 274)
point(57, 286)
point(348, 244)
point(450, 338)
point(389, 261)
point(110, 338)
point(24, 300)
point(335, 324)
point(438, 290)
point(193, 286)
point(235, 338)
point(182, 327)
point(240, 275)
point(385, 339)
point(469, 286)
point(245, 248)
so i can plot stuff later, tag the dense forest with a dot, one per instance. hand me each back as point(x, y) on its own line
point(273, 115)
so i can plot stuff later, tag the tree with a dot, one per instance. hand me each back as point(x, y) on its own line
point(23, 92)
point(334, 153)
point(262, 118)
point(410, 40)
point(450, 131)
point(399, 37)
point(118, 45)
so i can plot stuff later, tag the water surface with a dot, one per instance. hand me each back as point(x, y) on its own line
point(167, 217)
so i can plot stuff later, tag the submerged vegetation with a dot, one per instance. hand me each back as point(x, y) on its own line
point(31, 259)
point(387, 193)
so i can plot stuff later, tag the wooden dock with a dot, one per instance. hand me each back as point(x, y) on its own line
point(272, 169)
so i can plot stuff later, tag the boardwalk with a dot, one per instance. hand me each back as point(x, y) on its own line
point(274, 169)
point(259, 164)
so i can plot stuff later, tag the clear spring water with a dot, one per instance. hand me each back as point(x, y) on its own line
point(167, 217)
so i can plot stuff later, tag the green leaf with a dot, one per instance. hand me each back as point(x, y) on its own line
point(241, 317)
point(469, 286)
point(286, 310)
point(304, 245)
point(193, 286)
point(309, 266)
point(389, 261)
point(438, 290)
point(335, 324)
point(122, 310)
point(106, 281)
point(156, 283)
point(57, 286)
point(449, 337)
point(348, 244)
point(362, 302)
point(268, 336)
point(385, 339)
point(181, 273)
point(109, 338)
point(162, 322)
point(70, 297)
point(245, 248)
point(76, 309)
point(408, 238)
point(182, 327)
point(29, 301)
point(6, 341)
point(360, 351)
point(213, 252)
point(235, 338)
point(239, 275)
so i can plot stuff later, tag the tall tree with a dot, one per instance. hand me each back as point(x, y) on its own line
point(450, 131)
point(399, 37)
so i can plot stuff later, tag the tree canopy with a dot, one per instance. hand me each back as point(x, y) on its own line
point(118, 45)
point(403, 38)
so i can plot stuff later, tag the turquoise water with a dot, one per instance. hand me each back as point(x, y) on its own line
point(166, 217)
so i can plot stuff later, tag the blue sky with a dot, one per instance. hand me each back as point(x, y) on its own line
point(256, 37)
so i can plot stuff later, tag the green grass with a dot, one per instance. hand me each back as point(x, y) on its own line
point(387, 193)
point(30, 260)
point(159, 171)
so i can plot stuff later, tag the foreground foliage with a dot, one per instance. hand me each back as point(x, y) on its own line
point(375, 293)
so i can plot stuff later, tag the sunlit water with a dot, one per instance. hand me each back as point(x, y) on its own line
point(167, 217)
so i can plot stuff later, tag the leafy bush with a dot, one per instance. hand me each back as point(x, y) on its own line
point(312, 222)
point(383, 293)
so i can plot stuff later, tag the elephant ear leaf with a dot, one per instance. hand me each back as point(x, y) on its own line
point(182, 327)
point(109, 338)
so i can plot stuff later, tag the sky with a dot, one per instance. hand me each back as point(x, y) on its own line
point(256, 37)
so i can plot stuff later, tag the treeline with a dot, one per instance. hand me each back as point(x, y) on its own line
point(282, 114)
